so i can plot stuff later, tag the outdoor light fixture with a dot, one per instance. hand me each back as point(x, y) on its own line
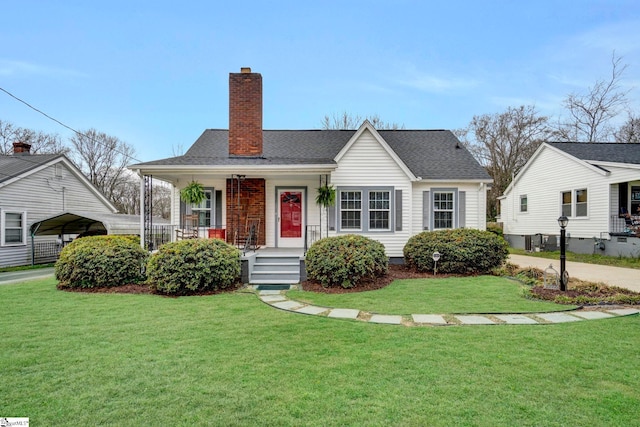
point(563, 221)
point(436, 257)
point(564, 275)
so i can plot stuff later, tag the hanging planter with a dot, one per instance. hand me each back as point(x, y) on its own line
point(326, 196)
point(193, 193)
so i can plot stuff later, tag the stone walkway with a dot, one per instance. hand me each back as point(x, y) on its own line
point(279, 300)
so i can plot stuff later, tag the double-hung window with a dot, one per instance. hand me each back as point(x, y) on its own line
point(351, 210)
point(203, 210)
point(523, 203)
point(379, 210)
point(581, 202)
point(443, 209)
point(566, 203)
point(574, 203)
point(13, 228)
point(369, 209)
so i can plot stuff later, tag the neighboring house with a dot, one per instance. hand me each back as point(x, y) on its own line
point(594, 184)
point(391, 184)
point(45, 200)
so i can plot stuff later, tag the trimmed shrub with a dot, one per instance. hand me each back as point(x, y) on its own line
point(346, 260)
point(193, 265)
point(98, 261)
point(462, 251)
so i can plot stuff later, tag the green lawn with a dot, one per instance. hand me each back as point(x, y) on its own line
point(482, 294)
point(131, 360)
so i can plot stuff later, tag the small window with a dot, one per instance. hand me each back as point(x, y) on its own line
point(581, 202)
point(523, 203)
point(442, 210)
point(351, 210)
point(14, 228)
point(566, 203)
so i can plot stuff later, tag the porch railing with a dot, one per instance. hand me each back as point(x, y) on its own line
point(620, 226)
point(311, 235)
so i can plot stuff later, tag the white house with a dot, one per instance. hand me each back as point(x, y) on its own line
point(594, 184)
point(44, 199)
point(390, 184)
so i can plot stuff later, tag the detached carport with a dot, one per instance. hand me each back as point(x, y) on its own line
point(77, 222)
point(81, 222)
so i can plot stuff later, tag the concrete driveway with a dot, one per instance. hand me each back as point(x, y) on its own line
point(616, 276)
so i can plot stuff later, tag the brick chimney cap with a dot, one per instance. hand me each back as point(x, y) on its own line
point(20, 147)
point(245, 70)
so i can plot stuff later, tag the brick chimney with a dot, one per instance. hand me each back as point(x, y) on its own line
point(21, 149)
point(245, 113)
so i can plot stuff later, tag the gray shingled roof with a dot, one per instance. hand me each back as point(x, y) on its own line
point(601, 152)
point(430, 154)
point(11, 166)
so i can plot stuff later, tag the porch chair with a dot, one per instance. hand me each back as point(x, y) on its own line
point(190, 230)
point(248, 237)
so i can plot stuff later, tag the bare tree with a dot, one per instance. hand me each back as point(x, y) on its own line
point(41, 142)
point(503, 143)
point(161, 200)
point(347, 121)
point(590, 114)
point(103, 159)
point(630, 131)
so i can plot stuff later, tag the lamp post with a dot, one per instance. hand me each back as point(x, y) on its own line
point(436, 257)
point(563, 221)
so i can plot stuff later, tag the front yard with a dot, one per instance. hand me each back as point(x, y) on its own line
point(118, 359)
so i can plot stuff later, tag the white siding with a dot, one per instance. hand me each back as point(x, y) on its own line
point(42, 195)
point(368, 164)
point(551, 173)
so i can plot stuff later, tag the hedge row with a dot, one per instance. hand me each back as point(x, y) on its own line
point(178, 268)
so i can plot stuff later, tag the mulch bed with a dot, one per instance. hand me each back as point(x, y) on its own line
point(142, 289)
point(580, 288)
point(396, 272)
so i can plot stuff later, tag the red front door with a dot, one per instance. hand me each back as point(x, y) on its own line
point(291, 218)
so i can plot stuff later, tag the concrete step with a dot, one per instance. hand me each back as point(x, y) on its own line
point(275, 269)
point(295, 268)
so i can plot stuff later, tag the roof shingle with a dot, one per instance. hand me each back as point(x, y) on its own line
point(430, 154)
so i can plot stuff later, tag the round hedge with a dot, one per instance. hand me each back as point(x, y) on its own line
point(346, 260)
point(99, 261)
point(462, 251)
point(193, 265)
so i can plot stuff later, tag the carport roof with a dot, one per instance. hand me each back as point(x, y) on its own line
point(77, 222)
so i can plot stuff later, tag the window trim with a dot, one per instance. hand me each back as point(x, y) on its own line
point(364, 218)
point(524, 197)
point(3, 224)
point(361, 210)
point(586, 204)
point(573, 206)
point(454, 209)
point(211, 208)
point(388, 210)
point(563, 204)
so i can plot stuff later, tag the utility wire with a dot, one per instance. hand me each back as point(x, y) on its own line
point(64, 125)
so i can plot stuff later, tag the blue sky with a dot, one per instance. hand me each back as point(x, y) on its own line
point(155, 73)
